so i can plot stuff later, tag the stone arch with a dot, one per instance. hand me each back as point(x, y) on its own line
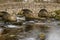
point(3, 13)
point(8, 17)
point(43, 13)
point(28, 14)
point(24, 11)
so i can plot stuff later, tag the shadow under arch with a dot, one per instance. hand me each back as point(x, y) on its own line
point(27, 13)
point(42, 13)
point(3, 13)
point(6, 17)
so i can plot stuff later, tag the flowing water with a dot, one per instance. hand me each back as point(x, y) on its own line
point(53, 34)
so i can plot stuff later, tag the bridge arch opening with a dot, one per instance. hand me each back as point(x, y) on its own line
point(27, 13)
point(42, 13)
point(24, 11)
point(6, 17)
point(3, 13)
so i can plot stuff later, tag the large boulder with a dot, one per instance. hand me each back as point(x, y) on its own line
point(10, 17)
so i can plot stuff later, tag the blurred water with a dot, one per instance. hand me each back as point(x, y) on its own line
point(54, 33)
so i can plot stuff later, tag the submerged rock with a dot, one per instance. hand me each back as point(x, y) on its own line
point(42, 36)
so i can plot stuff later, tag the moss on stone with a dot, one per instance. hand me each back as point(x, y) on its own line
point(57, 17)
point(57, 14)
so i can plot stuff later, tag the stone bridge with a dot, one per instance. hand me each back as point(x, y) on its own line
point(35, 7)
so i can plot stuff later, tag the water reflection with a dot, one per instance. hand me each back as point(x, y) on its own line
point(52, 34)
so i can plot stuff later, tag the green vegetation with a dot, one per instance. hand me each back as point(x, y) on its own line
point(57, 17)
point(57, 14)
